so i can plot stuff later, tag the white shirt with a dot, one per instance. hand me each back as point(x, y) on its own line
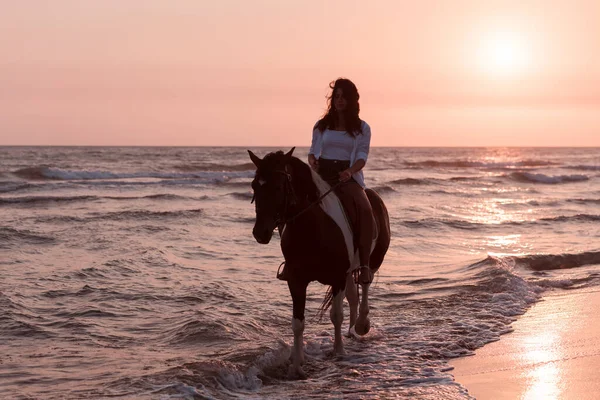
point(339, 145)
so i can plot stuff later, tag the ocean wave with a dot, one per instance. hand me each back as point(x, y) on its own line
point(17, 327)
point(383, 190)
point(432, 223)
point(478, 164)
point(549, 262)
point(572, 218)
point(50, 173)
point(215, 378)
point(10, 237)
point(194, 331)
point(546, 179)
point(427, 281)
point(88, 313)
point(429, 223)
point(37, 200)
point(145, 214)
point(216, 167)
point(17, 320)
point(45, 199)
point(466, 178)
point(12, 186)
point(437, 181)
point(241, 195)
point(245, 220)
point(235, 184)
point(409, 181)
point(584, 167)
point(584, 201)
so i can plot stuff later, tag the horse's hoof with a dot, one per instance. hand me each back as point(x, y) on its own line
point(362, 327)
point(339, 352)
point(295, 373)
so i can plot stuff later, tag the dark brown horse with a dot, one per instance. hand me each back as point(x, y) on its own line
point(315, 243)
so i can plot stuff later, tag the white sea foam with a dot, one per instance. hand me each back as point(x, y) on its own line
point(548, 179)
point(37, 173)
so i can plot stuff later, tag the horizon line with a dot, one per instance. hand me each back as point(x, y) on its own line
point(298, 147)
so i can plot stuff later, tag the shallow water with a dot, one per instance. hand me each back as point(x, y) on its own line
point(132, 272)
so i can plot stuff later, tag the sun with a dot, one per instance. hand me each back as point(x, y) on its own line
point(504, 53)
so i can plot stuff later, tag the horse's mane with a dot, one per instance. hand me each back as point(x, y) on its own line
point(301, 174)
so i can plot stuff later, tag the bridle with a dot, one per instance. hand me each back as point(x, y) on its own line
point(289, 192)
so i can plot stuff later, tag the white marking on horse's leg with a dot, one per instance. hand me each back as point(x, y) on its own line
point(352, 296)
point(298, 350)
point(298, 329)
point(337, 317)
point(363, 324)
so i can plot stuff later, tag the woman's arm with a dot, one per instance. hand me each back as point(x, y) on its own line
point(315, 148)
point(313, 162)
point(357, 166)
point(363, 146)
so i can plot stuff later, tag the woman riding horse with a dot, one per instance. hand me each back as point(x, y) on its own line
point(315, 237)
point(338, 152)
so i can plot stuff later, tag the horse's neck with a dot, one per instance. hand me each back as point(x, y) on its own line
point(305, 198)
point(309, 208)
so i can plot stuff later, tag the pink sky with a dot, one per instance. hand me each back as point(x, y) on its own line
point(248, 73)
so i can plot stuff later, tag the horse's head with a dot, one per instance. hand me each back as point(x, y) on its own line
point(273, 192)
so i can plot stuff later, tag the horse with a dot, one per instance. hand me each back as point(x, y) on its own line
point(290, 196)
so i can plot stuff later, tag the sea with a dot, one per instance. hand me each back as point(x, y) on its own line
point(132, 273)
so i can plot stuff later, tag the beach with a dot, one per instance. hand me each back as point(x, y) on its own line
point(132, 272)
point(553, 353)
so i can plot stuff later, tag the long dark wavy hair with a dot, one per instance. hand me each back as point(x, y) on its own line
point(351, 119)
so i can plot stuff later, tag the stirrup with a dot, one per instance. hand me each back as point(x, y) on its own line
point(281, 273)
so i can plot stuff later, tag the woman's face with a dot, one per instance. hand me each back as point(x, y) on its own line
point(339, 101)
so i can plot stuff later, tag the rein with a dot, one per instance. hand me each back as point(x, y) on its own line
point(313, 203)
point(289, 189)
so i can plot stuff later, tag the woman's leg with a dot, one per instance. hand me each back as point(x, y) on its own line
point(357, 205)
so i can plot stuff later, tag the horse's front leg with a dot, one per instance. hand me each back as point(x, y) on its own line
point(363, 324)
point(352, 297)
point(337, 317)
point(298, 292)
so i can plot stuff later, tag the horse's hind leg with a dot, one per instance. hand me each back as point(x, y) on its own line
point(352, 296)
point(298, 292)
point(382, 219)
point(337, 317)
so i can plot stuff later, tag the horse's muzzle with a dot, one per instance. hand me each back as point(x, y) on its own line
point(262, 236)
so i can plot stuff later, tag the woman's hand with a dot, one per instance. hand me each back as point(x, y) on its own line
point(345, 175)
point(313, 162)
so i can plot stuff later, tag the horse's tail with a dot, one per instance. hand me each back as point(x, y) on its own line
point(327, 302)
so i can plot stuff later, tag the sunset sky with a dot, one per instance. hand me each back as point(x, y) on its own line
point(256, 72)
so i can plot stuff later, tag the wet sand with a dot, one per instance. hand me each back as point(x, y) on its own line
point(553, 353)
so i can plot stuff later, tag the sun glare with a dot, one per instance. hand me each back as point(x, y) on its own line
point(504, 53)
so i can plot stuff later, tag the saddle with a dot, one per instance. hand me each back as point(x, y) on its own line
point(351, 211)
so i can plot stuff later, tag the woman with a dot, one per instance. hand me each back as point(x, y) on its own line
point(339, 152)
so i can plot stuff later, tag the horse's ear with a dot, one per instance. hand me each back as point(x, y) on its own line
point(255, 159)
point(289, 153)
